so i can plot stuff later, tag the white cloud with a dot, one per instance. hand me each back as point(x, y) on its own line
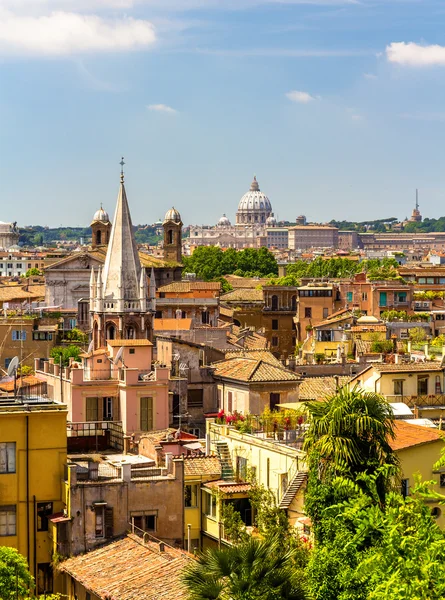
point(63, 33)
point(300, 97)
point(357, 118)
point(414, 55)
point(162, 108)
point(369, 76)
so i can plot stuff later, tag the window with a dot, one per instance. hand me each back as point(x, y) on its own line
point(210, 505)
point(144, 521)
point(190, 496)
point(107, 409)
point(132, 351)
point(241, 468)
point(364, 296)
point(348, 296)
point(158, 314)
point(308, 312)
point(275, 324)
point(229, 402)
point(405, 487)
point(7, 361)
point(18, 335)
point(274, 341)
point(7, 520)
point(325, 313)
point(91, 410)
point(7, 457)
point(398, 387)
point(422, 385)
point(195, 398)
point(294, 303)
point(100, 521)
point(442, 480)
point(325, 335)
point(44, 578)
point(146, 414)
point(44, 510)
point(196, 431)
point(437, 385)
point(274, 399)
point(274, 302)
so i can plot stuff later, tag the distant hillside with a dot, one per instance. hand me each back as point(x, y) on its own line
point(43, 236)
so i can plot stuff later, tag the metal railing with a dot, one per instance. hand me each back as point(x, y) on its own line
point(419, 401)
point(112, 431)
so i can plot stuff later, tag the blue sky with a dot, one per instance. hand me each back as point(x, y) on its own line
point(337, 106)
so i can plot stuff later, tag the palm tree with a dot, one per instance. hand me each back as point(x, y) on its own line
point(251, 570)
point(349, 433)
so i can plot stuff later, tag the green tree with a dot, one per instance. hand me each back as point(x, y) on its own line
point(33, 272)
point(66, 352)
point(15, 579)
point(417, 335)
point(254, 569)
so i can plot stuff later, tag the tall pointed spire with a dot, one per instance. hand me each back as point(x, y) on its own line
point(122, 270)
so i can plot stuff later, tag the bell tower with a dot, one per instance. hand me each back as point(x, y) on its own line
point(101, 228)
point(172, 236)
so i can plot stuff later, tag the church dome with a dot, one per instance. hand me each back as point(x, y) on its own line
point(254, 206)
point(101, 215)
point(271, 221)
point(172, 215)
point(224, 222)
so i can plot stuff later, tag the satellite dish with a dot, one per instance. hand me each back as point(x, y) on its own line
point(90, 347)
point(118, 357)
point(12, 367)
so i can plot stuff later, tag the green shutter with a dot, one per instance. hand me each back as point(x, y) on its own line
point(146, 414)
point(91, 409)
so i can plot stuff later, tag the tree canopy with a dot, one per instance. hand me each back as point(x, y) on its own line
point(210, 262)
point(374, 268)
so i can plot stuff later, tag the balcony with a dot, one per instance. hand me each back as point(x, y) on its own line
point(428, 400)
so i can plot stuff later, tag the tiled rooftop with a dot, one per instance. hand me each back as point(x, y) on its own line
point(202, 465)
point(229, 487)
point(314, 388)
point(409, 435)
point(257, 354)
point(409, 367)
point(15, 292)
point(252, 370)
point(128, 569)
point(191, 286)
point(243, 295)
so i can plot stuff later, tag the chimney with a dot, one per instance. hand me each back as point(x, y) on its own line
point(161, 547)
point(126, 472)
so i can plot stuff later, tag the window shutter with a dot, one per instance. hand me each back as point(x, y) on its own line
point(108, 522)
point(10, 449)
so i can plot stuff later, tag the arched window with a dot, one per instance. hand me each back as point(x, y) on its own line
point(130, 333)
point(111, 331)
point(99, 237)
point(274, 302)
point(170, 236)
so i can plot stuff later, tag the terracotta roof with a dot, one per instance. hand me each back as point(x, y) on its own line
point(172, 324)
point(409, 435)
point(255, 340)
point(226, 311)
point(243, 295)
point(16, 292)
point(370, 327)
point(245, 282)
point(202, 465)
point(97, 352)
point(314, 388)
point(128, 569)
point(190, 286)
point(229, 487)
point(252, 370)
point(26, 381)
point(159, 435)
point(255, 353)
point(408, 368)
point(119, 343)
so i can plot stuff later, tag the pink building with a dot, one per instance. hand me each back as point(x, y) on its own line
point(116, 386)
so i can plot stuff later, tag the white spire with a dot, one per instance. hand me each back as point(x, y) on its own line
point(122, 270)
point(152, 290)
point(143, 291)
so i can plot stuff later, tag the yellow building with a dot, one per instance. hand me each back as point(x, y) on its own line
point(419, 385)
point(418, 448)
point(32, 455)
point(198, 470)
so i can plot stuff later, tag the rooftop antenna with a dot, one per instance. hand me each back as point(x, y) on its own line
point(12, 372)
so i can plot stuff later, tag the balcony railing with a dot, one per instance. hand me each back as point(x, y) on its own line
point(419, 401)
